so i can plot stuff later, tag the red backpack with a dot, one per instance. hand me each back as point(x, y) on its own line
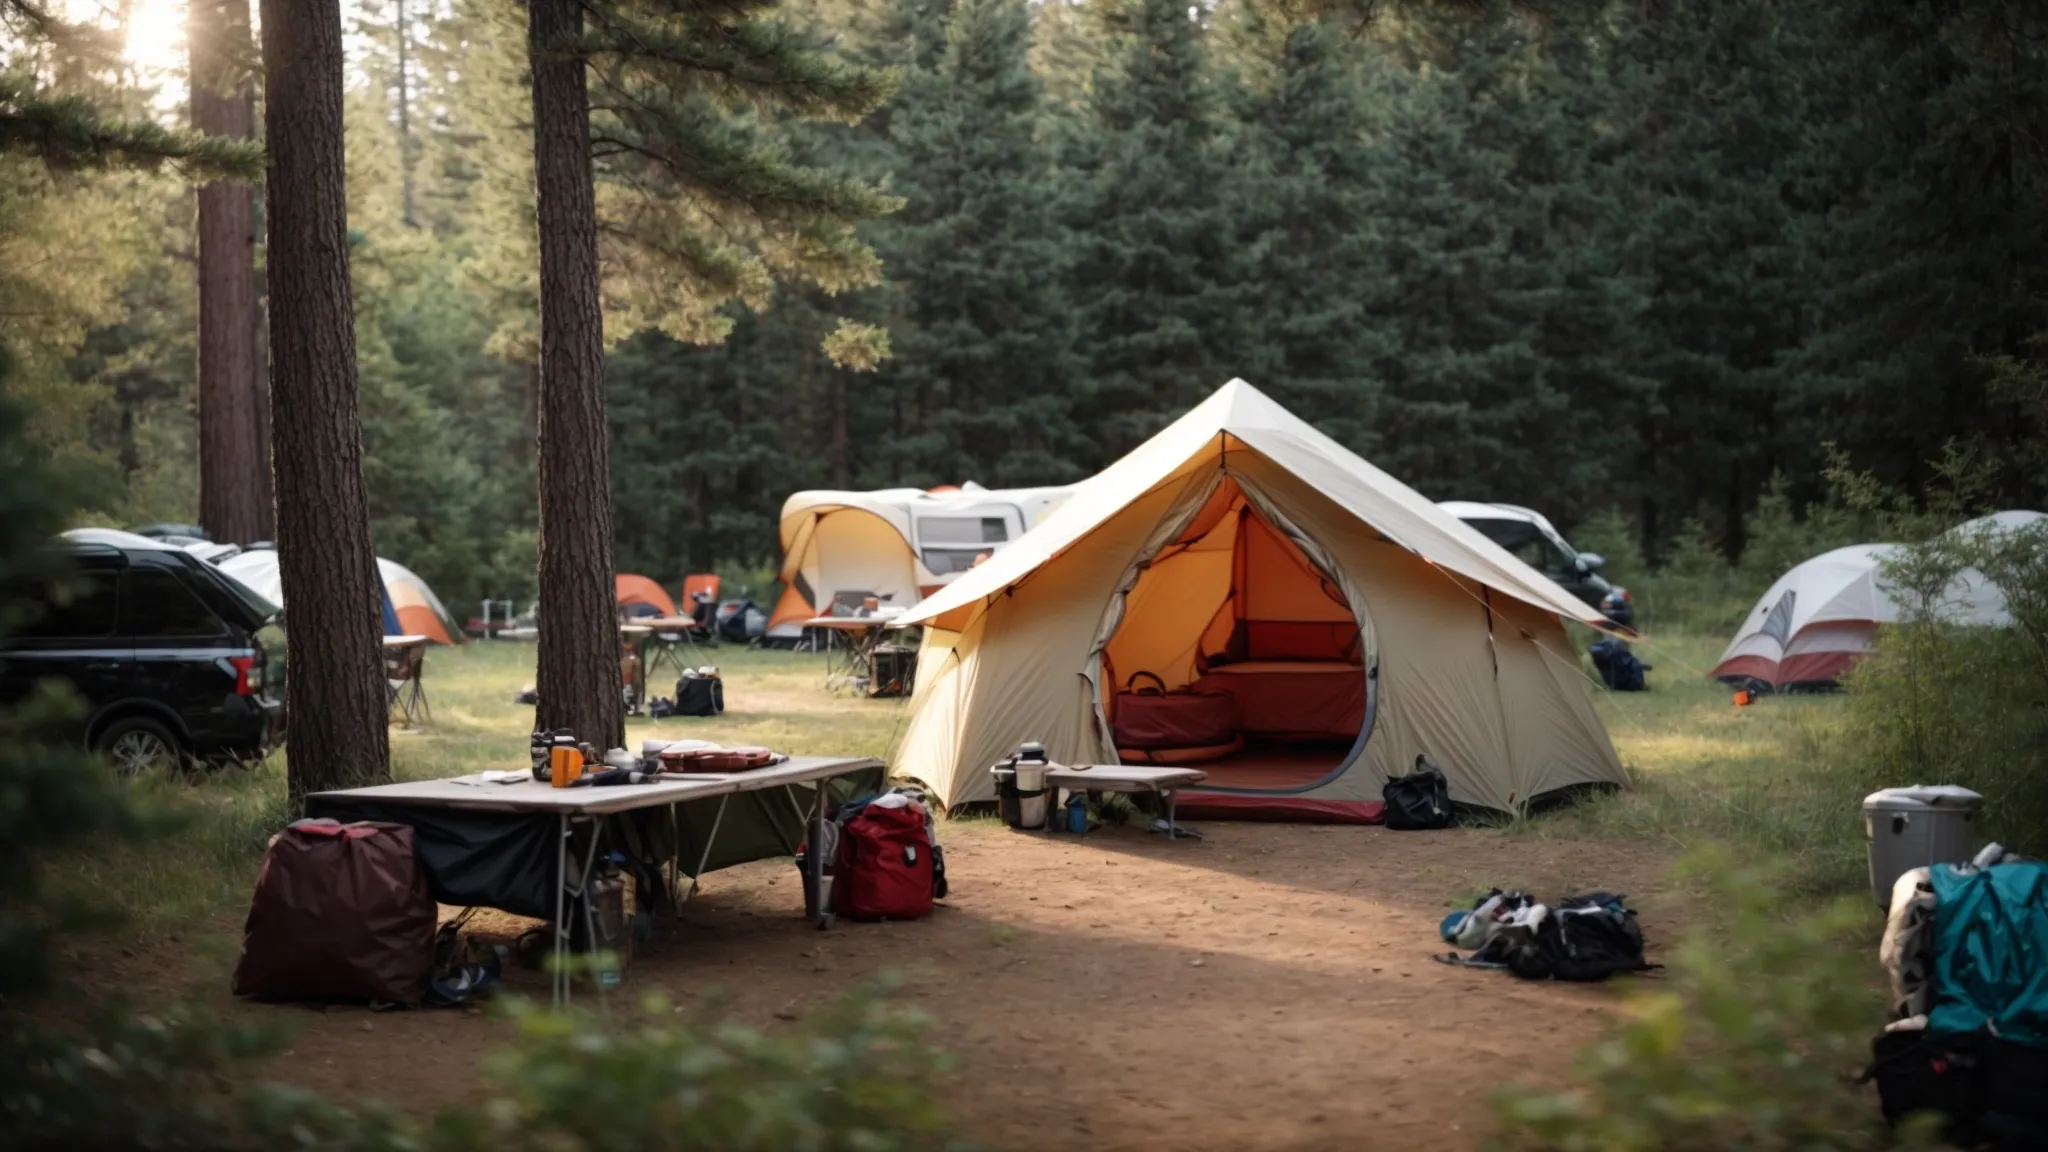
point(885, 865)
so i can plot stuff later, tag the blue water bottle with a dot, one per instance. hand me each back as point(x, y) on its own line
point(1077, 813)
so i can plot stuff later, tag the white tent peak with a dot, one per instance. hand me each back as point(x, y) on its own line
point(1247, 416)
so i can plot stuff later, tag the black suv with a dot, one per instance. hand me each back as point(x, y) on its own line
point(168, 653)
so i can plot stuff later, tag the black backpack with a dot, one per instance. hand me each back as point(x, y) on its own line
point(1593, 937)
point(699, 696)
point(1420, 800)
point(1986, 1090)
point(1618, 667)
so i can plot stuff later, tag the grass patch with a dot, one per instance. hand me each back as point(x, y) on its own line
point(1767, 780)
point(1770, 780)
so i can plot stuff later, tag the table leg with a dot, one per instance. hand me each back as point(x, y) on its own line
point(675, 863)
point(590, 906)
point(704, 857)
point(564, 893)
point(817, 862)
point(559, 969)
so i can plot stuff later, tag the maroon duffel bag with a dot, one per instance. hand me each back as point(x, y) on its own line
point(1148, 720)
point(341, 913)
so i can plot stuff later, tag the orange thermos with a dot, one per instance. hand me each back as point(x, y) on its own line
point(565, 761)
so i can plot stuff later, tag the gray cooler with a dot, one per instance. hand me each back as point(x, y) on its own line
point(1914, 827)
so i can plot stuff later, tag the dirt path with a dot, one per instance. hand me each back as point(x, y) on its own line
point(1266, 988)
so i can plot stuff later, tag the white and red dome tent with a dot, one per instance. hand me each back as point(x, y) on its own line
point(1822, 617)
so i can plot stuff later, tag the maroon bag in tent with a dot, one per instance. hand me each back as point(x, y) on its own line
point(341, 913)
point(1151, 720)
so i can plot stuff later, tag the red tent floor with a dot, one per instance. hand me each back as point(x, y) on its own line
point(1276, 766)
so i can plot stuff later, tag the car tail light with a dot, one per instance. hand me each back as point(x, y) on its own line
point(247, 673)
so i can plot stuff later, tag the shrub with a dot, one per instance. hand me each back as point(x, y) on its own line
point(1748, 1043)
point(1945, 701)
point(853, 1078)
point(1694, 589)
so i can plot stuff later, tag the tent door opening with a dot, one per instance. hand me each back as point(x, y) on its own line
point(1234, 651)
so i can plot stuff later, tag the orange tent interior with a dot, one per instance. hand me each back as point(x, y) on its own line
point(640, 595)
point(1233, 607)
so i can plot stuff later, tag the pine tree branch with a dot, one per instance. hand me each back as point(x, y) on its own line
point(69, 132)
point(742, 62)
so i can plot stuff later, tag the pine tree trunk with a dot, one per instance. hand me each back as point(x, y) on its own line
point(578, 680)
point(405, 141)
point(837, 382)
point(234, 485)
point(334, 652)
point(259, 323)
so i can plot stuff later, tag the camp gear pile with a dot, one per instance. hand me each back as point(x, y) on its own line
point(1966, 952)
point(1583, 938)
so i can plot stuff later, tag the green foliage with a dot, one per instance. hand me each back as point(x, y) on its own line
point(854, 1077)
point(72, 132)
point(1506, 344)
point(1154, 204)
point(1311, 232)
point(985, 352)
point(1749, 1041)
point(1779, 537)
point(702, 198)
point(1946, 701)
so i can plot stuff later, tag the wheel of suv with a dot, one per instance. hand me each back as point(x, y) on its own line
point(138, 744)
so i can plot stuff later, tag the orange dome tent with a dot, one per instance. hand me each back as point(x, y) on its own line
point(643, 596)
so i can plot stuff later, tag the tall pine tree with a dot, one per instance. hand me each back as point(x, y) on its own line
point(1704, 164)
point(1505, 358)
point(1931, 168)
point(1157, 209)
point(982, 327)
point(1317, 299)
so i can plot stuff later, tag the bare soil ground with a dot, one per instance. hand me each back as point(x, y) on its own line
point(1269, 987)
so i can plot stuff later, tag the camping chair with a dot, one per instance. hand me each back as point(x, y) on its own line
point(700, 602)
point(403, 665)
point(677, 648)
point(847, 649)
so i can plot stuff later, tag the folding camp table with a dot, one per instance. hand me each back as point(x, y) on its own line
point(1163, 781)
point(847, 662)
point(404, 663)
point(664, 643)
point(420, 802)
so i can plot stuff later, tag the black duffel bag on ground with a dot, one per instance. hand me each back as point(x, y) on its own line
point(700, 696)
point(1420, 800)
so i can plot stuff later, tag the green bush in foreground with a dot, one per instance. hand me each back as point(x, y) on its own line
point(852, 1078)
point(1943, 702)
point(1750, 1040)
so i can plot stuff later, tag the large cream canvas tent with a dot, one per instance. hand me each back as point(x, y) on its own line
point(1240, 551)
point(896, 544)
